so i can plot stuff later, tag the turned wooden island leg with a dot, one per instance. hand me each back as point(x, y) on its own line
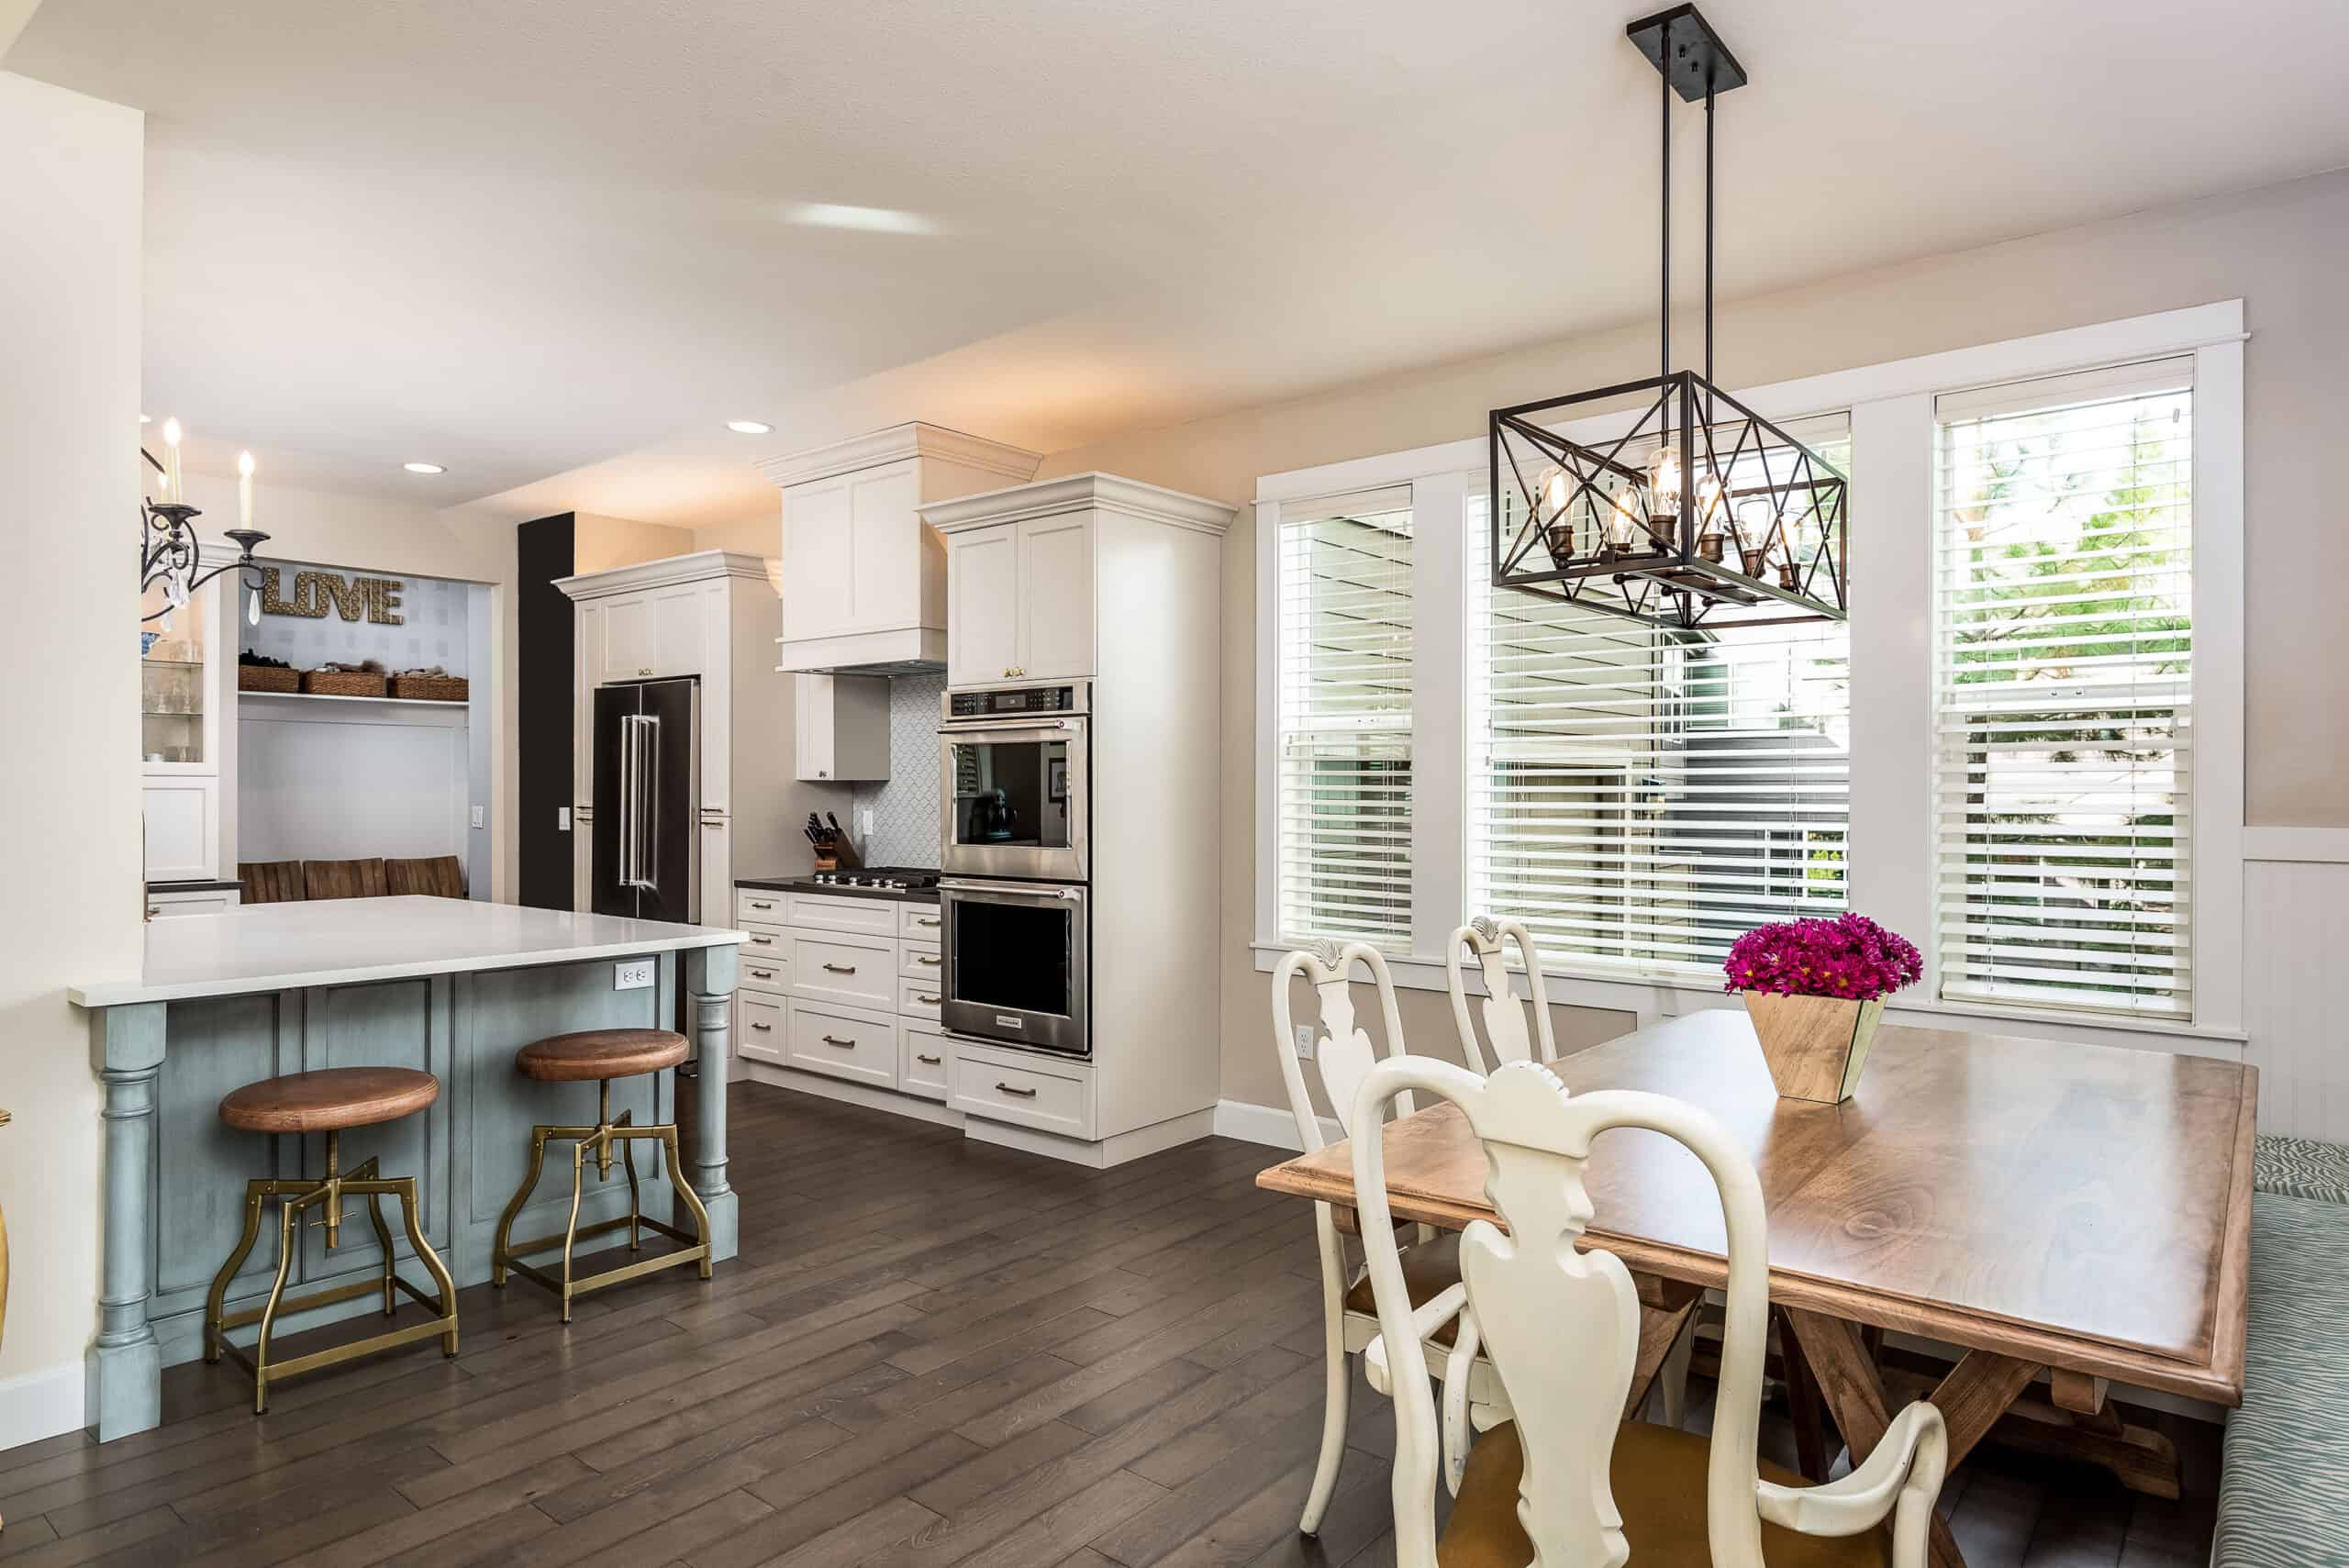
point(709, 975)
point(126, 1363)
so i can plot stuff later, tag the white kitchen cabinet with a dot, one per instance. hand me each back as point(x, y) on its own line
point(983, 586)
point(863, 577)
point(843, 726)
point(181, 817)
point(1056, 597)
point(654, 633)
point(164, 902)
point(1021, 597)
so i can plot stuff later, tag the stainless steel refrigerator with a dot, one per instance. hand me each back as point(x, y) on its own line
point(648, 799)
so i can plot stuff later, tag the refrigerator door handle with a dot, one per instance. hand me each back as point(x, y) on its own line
point(647, 868)
point(627, 800)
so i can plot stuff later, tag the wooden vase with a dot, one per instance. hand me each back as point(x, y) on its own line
point(1815, 1045)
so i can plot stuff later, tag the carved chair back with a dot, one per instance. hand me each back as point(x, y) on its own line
point(1344, 1054)
point(1562, 1325)
point(1481, 939)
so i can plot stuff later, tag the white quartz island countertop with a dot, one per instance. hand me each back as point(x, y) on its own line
point(273, 946)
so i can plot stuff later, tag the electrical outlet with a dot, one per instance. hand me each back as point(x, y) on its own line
point(1305, 1042)
point(633, 975)
point(480, 816)
point(865, 822)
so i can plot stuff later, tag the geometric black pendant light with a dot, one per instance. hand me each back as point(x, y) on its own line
point(1703, 512)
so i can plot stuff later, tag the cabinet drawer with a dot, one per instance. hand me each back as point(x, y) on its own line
point(925, 1061)
point(868, 916)
point(918, 962)
point(847, 971)
point(921, 922)
point(1027, 1096)
point(843, 1044)
point(765, 943)
point(759, 1027)
point(753, 903)
point(762, 970)
point(918, 999)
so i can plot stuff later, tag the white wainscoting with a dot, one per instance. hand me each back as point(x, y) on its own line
point(348, 782)
point(2296, 978)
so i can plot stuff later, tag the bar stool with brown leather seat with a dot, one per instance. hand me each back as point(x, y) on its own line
point(329, 1102)
point(603, 1055)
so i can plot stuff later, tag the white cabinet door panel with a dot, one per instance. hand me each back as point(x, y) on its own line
point(818, 560)
point(983, 605)
point(843, 1044)
point(1055, 599)
point(183, 827)
point(629, 637)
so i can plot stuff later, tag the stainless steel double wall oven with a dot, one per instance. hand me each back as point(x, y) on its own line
point(1015, 813)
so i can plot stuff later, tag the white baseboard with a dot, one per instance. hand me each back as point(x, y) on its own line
point(36, 1405)
point(1101, 1155)
point(1272, 1126)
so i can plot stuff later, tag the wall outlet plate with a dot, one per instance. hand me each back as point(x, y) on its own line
point(480, 816)
point(1305, 1042)
point(632, 974)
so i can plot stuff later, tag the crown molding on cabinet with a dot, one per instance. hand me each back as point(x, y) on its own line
point(914, 438)
point(1078, 492)
point(702, 566)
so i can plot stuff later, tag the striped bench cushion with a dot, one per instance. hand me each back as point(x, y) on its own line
point(2284, 1488)
point(2301, 1167)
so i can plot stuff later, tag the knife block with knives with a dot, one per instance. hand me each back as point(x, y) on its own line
point(835, 850)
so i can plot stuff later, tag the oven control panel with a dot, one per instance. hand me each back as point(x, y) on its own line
point(1014, 702)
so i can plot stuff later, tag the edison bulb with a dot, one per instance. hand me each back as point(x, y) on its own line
point(1708, 496)
point(1555, 490)
point(1664, 479)
point(1623, 516)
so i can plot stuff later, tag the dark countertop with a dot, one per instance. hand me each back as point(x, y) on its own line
point(804, 883)
point(194, 887)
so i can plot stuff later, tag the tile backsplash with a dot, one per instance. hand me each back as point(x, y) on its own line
point(905, 806)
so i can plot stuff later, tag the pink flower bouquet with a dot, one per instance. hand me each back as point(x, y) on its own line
point(1849, 957)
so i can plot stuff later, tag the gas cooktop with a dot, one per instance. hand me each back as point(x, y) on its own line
point(879, 879)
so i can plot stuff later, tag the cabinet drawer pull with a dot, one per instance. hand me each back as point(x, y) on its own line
point(761, 941)
point(756, 905)
point(645, 672)
point(1023, 1093)
point(927, 1060)
point(925, 919)
point(839, 968)
point(762, 975)
point(762, 1028)
point(925, 1001)
point(927, 958)
point(843, 1044)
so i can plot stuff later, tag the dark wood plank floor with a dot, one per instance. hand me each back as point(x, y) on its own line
point(931, 1352)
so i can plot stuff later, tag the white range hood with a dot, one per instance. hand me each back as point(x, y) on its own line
point(863, 577)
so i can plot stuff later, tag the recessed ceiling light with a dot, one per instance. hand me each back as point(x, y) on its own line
point(873, 220)
point(145, 419)
point(749, 426)
point(423, 468)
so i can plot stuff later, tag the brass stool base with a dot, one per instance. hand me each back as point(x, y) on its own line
point(294, 1197)
point(601, 1140)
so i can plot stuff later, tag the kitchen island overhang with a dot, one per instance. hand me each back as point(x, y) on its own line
point(451, 987)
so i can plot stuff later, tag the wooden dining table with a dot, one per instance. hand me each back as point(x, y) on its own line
point(2079, 1210)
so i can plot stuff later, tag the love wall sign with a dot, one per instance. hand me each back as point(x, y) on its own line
point(375, 599)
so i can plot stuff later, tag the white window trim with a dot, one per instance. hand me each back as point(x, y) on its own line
point(1892, 870)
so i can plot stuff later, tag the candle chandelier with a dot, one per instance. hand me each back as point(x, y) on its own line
point(1703, 512)
point(169, 552)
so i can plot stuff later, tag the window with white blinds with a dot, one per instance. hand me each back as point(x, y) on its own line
point(2063, 685)
point(1344, 809)
point(1641, 797)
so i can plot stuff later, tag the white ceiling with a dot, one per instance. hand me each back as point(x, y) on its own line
point(543, 243)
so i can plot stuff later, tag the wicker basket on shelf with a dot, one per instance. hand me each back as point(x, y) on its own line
point(267, 678)
point(342, 683)
point(430, 688)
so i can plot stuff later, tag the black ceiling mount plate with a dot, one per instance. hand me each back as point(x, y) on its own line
point(1683, 45)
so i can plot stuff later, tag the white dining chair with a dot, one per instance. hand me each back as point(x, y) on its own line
point(1567, 1482)
point(1507, 1039)
point(1344, 1056)
point(1504, 1015)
